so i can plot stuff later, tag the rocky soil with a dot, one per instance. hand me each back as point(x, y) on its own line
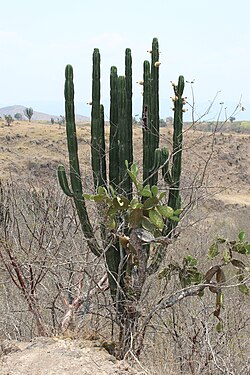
point(55, 356)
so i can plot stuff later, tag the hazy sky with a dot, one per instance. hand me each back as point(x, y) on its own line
point(205, 40)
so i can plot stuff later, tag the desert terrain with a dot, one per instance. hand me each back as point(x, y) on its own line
point(215, 190)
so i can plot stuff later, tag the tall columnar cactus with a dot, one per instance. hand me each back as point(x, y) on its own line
point(151, 114)
point(97, 126)
point(174, 199)
point(146, 118)
point(113, 120)
point(76, 191)
point(129, 109)
point(124, 138)
point(155, 93)
point(117, 259)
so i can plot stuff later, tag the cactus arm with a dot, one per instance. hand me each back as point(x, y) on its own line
point(165, 167)
point(151, 108)
point(146, 121)
point(129, 94)
point(103, 180)
point(177, 142)
point(63, 181)
point(154, 107)
point(75, 177)
point(173, 178)
point(174, 191)
point(113, 138)
point(125, 182)
point(97, 126)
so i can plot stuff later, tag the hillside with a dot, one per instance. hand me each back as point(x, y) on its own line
point(216, 187)
point(37, 116)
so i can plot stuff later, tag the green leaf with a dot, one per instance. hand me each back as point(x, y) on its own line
point(102, 190)
point(112, 211)
point(227, 256)
point(135, 204)
point(219, 327)
point(154, 190)
point(126, 164)
point(156, 219)
point(243, 289)
point(219, 299)
point(247, 248)
point(146, 224)
point(139, 186)
point(112, 191)
point(196, 277)
point(111, 224)
point(123, 202)
point(146, 192)
point(150, 202)
point(242, 236)
point(174, 218)
point(133, 177)
point(165, 211)
point(135, 217)
point(98, 198)
point(162, 195)
point(213, 251)
point(191, 260)
point(178, 212)
point(134, 169)
point(88, 196)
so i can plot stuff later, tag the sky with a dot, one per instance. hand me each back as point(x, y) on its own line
point(205, 40)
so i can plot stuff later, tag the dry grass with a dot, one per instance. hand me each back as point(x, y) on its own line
point(220, 196)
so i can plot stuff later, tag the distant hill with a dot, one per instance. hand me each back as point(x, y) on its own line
point(37, 116)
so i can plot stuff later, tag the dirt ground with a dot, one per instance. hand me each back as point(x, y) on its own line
point(54, 356)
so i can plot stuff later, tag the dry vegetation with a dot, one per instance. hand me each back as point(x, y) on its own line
point(50, 247)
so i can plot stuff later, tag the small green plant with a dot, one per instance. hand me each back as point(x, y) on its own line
point(9, 119)
point(215, 279)
point(28, 112)
point(18, 116)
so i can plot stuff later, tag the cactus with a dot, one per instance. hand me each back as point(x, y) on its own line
point(113, 138)
point(75, 178)
point(174, 199)
point(124, 133)
point(151, 114)
point(129, 94)
point(97, 127)
point(117, 261)
point(28, 112)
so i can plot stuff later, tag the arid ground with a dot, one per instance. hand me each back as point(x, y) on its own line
point(215, 184)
